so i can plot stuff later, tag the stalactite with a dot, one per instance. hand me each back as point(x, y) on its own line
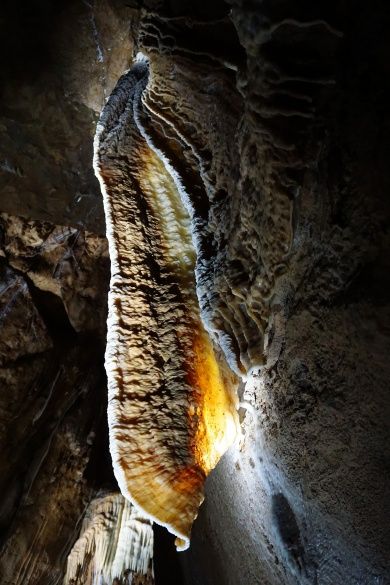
point(172, 411)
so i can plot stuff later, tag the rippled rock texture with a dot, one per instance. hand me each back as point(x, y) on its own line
point(171, 398)
point(290, 219)
point(275, 117)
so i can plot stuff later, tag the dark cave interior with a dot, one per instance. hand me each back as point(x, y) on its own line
point(274, 114)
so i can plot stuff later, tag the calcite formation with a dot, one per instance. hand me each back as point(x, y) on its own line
point(115, 545)
point(272, 118)
point(171, 410)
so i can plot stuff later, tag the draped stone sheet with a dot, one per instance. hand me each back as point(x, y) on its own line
point(171, 405)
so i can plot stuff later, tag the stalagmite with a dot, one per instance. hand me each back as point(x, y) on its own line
point(172, 407)
point(115, 541)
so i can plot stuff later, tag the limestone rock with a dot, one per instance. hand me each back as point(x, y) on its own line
point(70, 263)
point(23, 329)
point(115, 545)
point(58, 63)
point(172, 411)
point(275, 116)
point(53, 398)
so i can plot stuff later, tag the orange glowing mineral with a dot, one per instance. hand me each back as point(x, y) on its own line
point(171, 400)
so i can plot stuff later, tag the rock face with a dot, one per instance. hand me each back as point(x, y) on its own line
point(51, 352)
point(274, 116)
point(50, 99)
point(291, 271)
point(69, 265)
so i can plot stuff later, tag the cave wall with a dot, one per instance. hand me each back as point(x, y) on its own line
point(58, 64)
point(291, 276)
point(275, 114)
point(54, 281)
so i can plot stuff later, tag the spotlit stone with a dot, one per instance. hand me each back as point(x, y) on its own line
point(172, 411)
point(115, 541)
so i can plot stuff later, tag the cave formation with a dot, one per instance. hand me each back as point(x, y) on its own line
point(171, 407)
point(238, 353)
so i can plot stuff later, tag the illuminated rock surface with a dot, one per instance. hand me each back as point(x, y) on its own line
point(276, 117)
point(171, 407)
point(115, 543)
